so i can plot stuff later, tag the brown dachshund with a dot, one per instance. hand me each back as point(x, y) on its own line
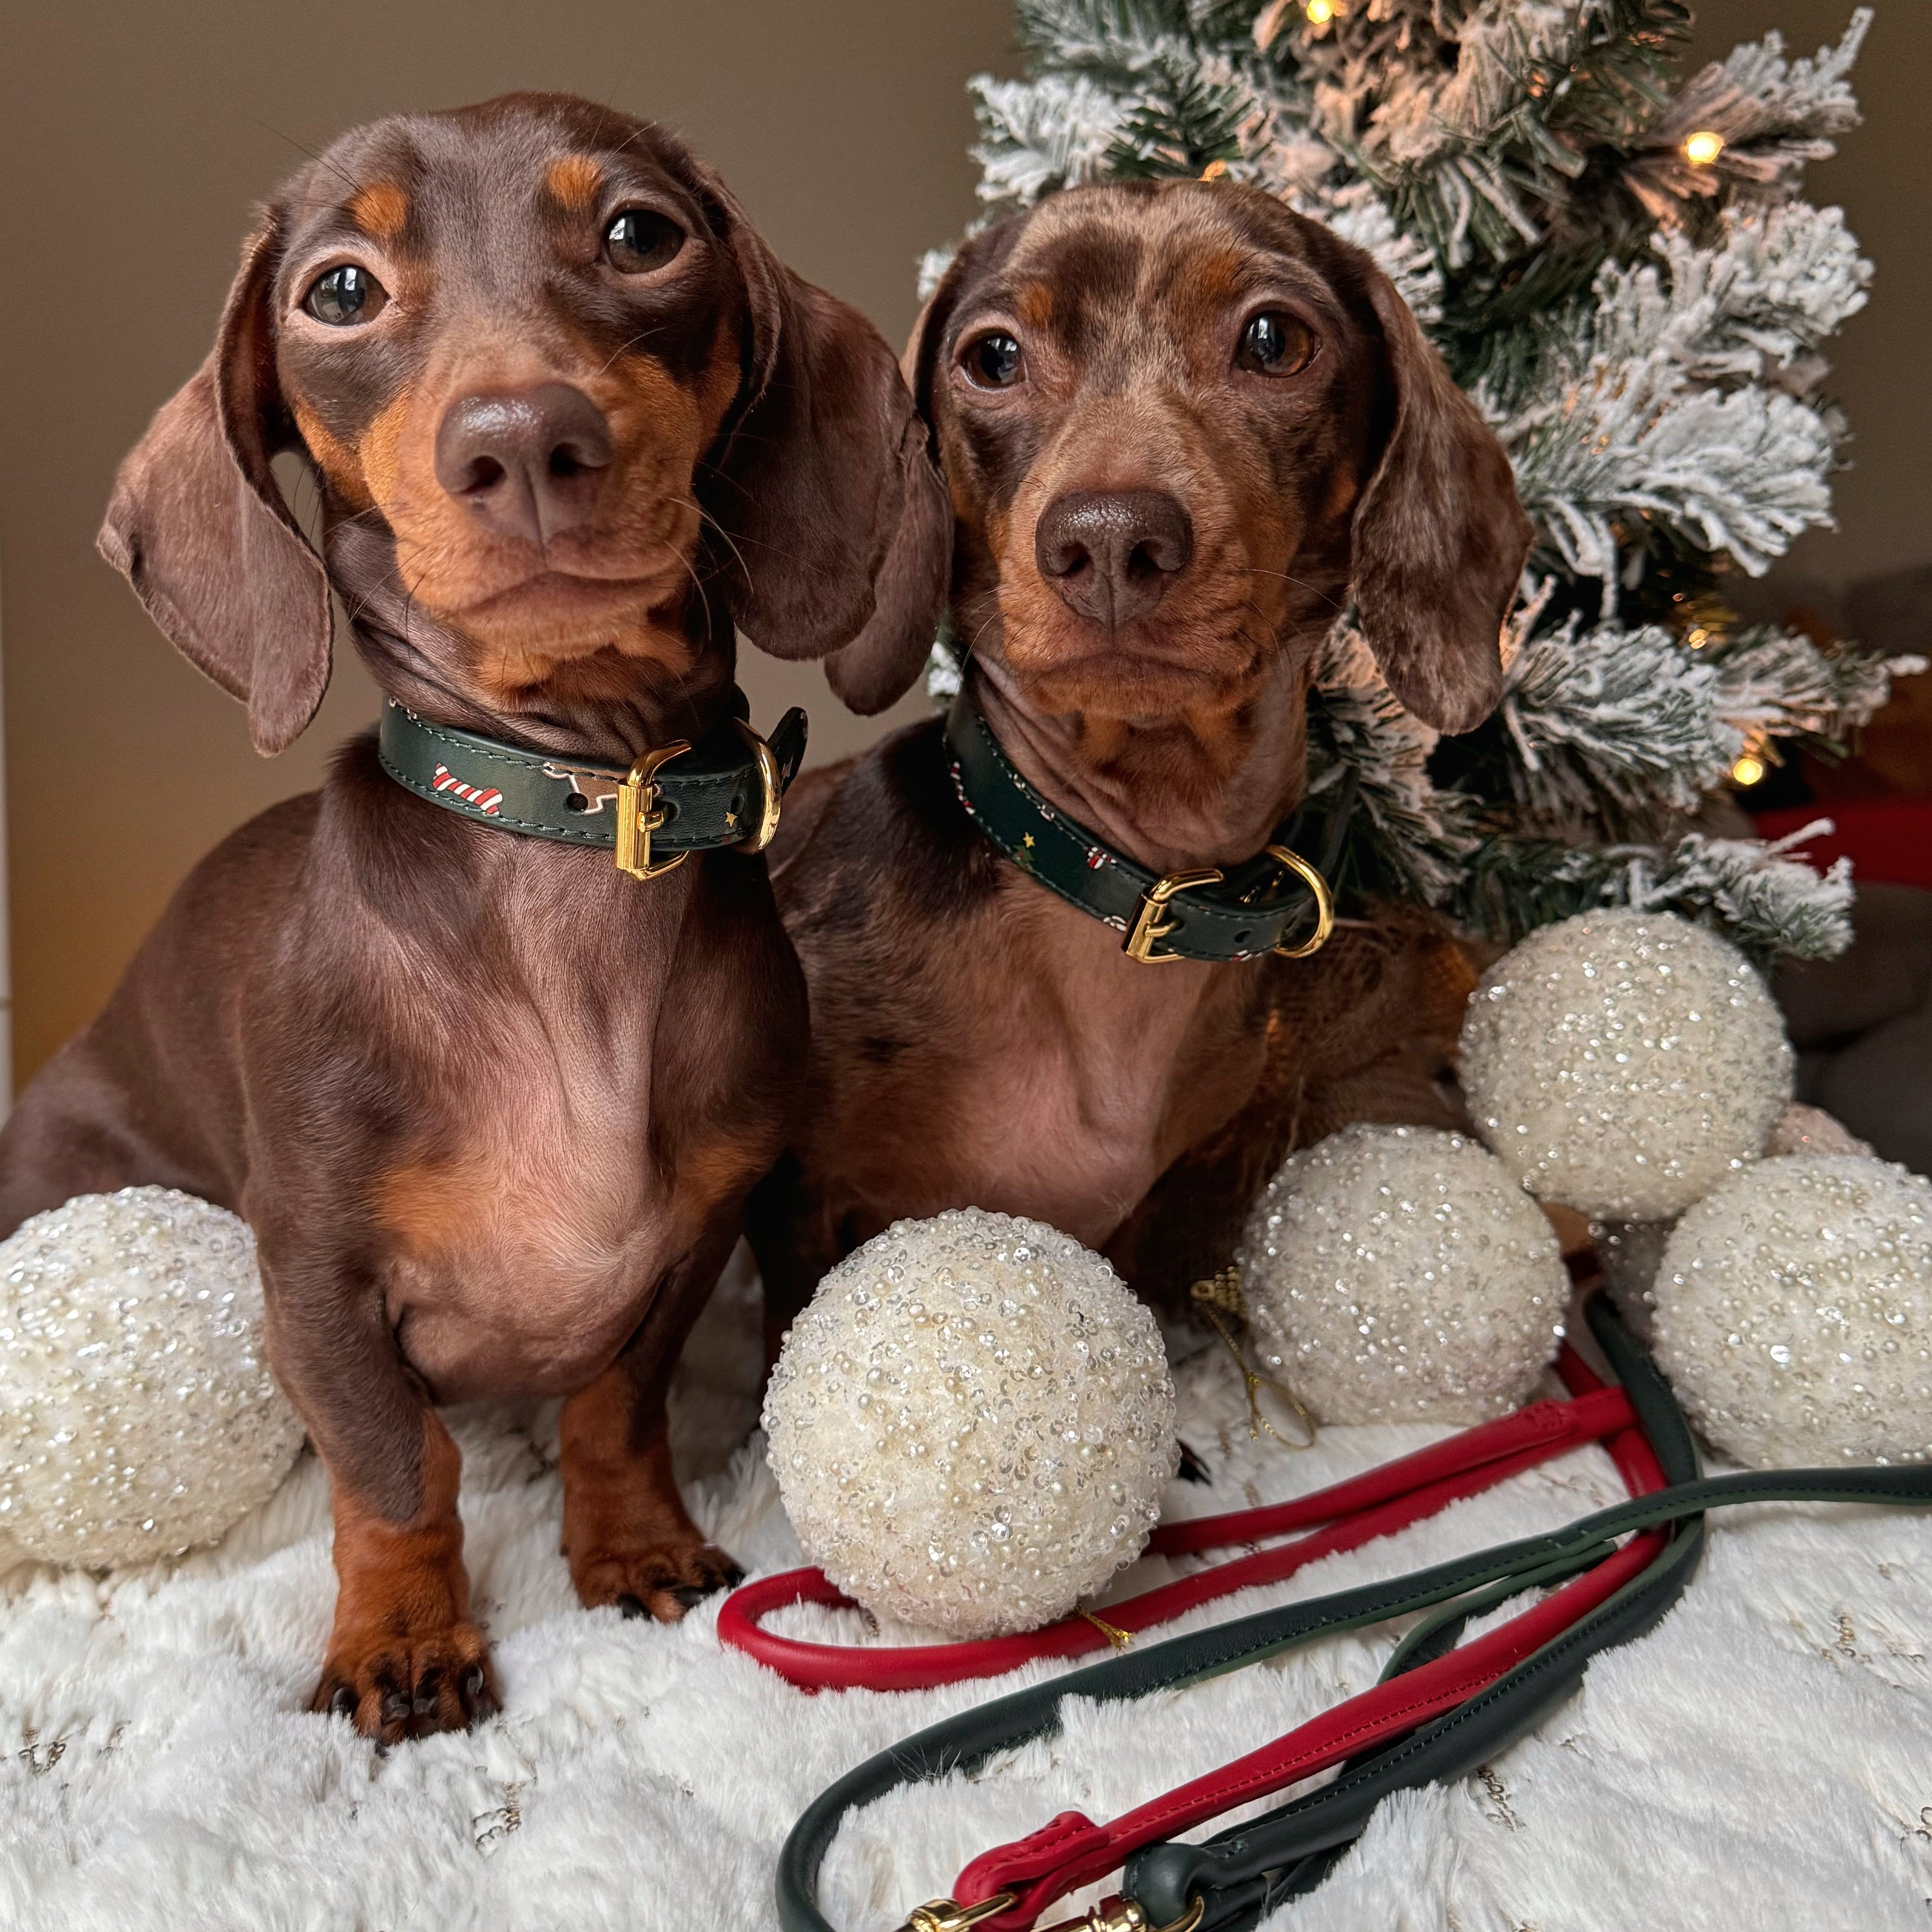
point(1180, 424)
point(490, 1105)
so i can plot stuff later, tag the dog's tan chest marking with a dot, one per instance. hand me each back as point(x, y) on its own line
point(522, 1238)
point(520, 1258)
point(1096, 1073)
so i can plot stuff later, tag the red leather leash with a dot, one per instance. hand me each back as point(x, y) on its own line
point(1072, 1851)
point(1342, 1517)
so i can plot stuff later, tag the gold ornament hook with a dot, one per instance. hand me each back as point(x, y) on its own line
point(1220, 1298)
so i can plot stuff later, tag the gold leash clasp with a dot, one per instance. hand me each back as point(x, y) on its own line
point(1149, 928)
point(1128, 1915)
point(639, 813)
point(1220, 1298)
point(944, 1915)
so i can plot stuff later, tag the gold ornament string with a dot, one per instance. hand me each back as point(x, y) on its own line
point(1219, 1299)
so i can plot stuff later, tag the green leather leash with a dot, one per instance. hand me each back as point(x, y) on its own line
point(1243, 1872)
point(1277, 901)
point(723, 792)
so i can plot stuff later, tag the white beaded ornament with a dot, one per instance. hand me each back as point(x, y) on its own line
point(1624, 1062)
point(972, 1424)
point(1794, 1312)
point(1400, 1274)
point(138, 1417)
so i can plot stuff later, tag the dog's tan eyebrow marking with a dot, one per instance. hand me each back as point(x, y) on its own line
point(1222, 271)
point(1034, 304)
point(379, 210)
point(575, 179)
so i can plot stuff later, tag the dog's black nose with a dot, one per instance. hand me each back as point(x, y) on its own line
point(1112, 553)
point(525, 462)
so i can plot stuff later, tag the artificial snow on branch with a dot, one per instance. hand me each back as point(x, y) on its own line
point(1767, 902)
point(1770, 116)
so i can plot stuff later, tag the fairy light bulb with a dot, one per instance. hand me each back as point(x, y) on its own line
point(1749, 770)
point(1319, 12)
point(1700, 149)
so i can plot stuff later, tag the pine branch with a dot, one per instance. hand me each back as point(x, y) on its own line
point(1767, 902)
point(1408, 839)
point(1772, 116)
point(1770, 684)
point(1613, 731)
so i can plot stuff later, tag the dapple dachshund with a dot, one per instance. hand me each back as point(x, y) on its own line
point(1180, 425)
point(490, 1105)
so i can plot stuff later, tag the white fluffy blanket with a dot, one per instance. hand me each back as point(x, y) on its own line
point(1762, 1760)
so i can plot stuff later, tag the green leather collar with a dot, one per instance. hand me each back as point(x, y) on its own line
point(723, 791)
point(1276, 902)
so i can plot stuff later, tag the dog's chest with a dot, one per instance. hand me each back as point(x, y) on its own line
point(524, 1226)
point(1086, 1075)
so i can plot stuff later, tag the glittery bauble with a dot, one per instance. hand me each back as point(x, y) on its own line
point(1800, 1129)
point(1794, 1312)
point(1399, 1274)
point(972, 1424)
point(137, 1414)
point(1624, 1062)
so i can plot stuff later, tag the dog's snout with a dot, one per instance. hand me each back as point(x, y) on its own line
point(1112, 553)
point(525, 462)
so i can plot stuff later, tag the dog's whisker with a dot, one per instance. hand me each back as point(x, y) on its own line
point(1301, 584)
point(704, 517)
point(301, 148)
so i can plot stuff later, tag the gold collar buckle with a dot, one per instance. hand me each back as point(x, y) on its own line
point(639, 814)
point(1150, 928)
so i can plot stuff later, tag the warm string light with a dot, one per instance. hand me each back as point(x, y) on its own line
point(1753, 764)
point(1700, 149)
point(1319, 12)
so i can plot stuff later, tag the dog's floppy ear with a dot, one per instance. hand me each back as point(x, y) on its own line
point(197, 525)
point(835, 534)
point(1439, 539)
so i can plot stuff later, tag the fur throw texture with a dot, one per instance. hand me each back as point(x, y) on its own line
point(1763, 1760)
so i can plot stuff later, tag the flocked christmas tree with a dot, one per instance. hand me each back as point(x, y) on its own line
point(1622, 272)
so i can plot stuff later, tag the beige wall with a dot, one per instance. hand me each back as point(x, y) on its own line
point(136, 133)
point(1882, 177)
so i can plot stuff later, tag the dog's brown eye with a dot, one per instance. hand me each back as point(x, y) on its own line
point(993, 362)
point(1276, 344)
point(340, 296)
point(641, 239)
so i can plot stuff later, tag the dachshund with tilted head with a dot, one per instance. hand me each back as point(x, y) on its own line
point(1060, 945)
point(487, 1071)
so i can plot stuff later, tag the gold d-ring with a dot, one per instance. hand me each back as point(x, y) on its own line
point(1325, 901)
point(771, 789)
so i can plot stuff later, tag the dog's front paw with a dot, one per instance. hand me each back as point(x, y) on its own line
point(408, 1685)
point(662, 1580)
